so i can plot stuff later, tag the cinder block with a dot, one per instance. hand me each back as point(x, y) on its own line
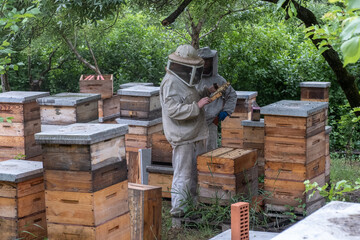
point(240, 221)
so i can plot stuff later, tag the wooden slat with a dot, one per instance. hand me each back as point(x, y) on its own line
point(87, 112)
point(57, 115)
point(107, 149)
point(134, 164)
point(234, 121)
point(31, 186)
point(315, 94)
point(8, 207)
point(8, 189)
point(31, 204)
point(161, 151)
point(162, 180)
point(137, 141)
point(20, 129)
point(95, 85)
point(139, 130)
point(253, 135)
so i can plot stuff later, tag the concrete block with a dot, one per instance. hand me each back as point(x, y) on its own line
point(20, 170)
point(82, 133)
point(68, 99)
point(246, 94)
point(132, 84)
point(294, 108)
point(139, 91)
point(141, 123)
point(328, 129)
point(315, 84)
point(240, 221)
point(249, 123)
point(21, 96)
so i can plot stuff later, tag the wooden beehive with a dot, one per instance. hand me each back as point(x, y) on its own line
point(254, 138)
point(231, 128)
point(161, 176)
point(101, 84)
point(114, 229)
point(17, 135)
point(68, 108)
point(226, 161)
point(294, 152)
point(227, 186)
point(161, 149)
point(145, 211)
point(327, 154)
point(315, 91)
point(22, 199)
point(140, 102)
point(109, 108)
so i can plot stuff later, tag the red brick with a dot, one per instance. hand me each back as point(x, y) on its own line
point(240, 221)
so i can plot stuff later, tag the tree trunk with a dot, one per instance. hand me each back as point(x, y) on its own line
point(5, 83)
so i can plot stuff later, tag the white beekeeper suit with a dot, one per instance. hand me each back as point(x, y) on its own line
point(183, 121)
point(221, 107)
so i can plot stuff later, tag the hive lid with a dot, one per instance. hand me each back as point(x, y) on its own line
point(21, 96)
point(20, 170)
point(293, 108)
point(139, 91)
point(68, 99)
point(246, 94)
point(81, 133)
point(249, 123)
point(132, 84)
point(315, 84)
point(140, 123)
point(328, 129)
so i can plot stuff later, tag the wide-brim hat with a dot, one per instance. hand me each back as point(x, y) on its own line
point(188, 55)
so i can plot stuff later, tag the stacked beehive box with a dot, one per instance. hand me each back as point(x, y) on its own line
point(139, 137)
point(86, 187)
point(161, 176)
point(109, 104)
point(22, 200)
point(140, 102)
point(231, 128)
point(327, 154)
point(68, 108)
point(226, 172)
point(17, 135)
point(254, 135)
point(294, 152)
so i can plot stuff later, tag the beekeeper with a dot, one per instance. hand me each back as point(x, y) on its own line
point(220, 108)
point(184, 121)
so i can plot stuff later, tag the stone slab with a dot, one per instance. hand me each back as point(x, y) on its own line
point(315, 84)
point(139, 91)
point(140, 123)
point(132, 84)
point(293, 108)
point(254, 235)
point(21, 96)
point(334, 221)
point(160, 169)
point(68, 99)
point(328, 129)
point(249, 123)
point(20, 170)
point(246, 94)
point(82, 133)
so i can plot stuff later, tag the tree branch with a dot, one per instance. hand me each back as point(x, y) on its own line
point(93, 56)
point(170, 19)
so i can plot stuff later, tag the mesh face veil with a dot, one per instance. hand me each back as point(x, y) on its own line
point(190, 75)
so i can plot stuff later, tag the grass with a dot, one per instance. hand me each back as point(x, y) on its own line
point(344, 167)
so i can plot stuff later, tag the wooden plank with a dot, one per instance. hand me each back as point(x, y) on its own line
point(12, 110)
point(104, 86)
point(232, 162)
point(115, 229)
point(87, 112)
point(31, 111)
point(140, 130)
point(89, 209)
point(315, 94)
point(8, 228)
point(8, 189)
point(234, 121)
point(140, 114)
point(162, 180)
point(20, 129)
point(109, 106)
point(135, 103)
point(154, 103)
point(293, 171)
point(11, 146)
point(145, 211)
point(134, 165)
point(254, 135)
point(8, 207)
point(110, 148)
point(137, 141)
point(57, 115)
point(31, 186)
point(66, 157)
point(161, 151)
point(31, 204)
point(232, 137)
point(258, 146)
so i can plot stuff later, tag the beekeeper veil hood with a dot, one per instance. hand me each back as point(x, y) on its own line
point(186, 65)
point(211, 61)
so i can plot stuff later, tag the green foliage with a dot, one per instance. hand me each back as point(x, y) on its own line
point(8, 119)
point(336, 192)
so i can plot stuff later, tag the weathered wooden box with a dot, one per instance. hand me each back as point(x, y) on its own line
point(102, 175)
point(145, 205)
point(22, 199)
point(79, 147)
point(68, 108)
point(224, 187)
point(109, 108)
point(114, 229)
point(161, 176)
point(101, 84)
point(161, 150)
point(232, 138)
point(226, 160)
point(245, 100)
point(315, 91)
point(140, 102)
